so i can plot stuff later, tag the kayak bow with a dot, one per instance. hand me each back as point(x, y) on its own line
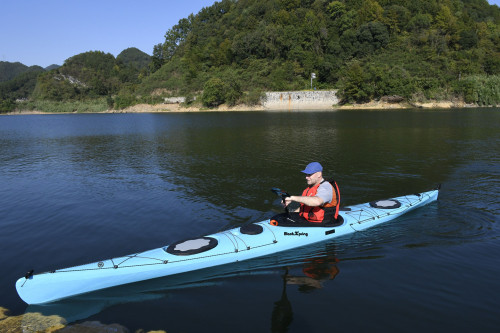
point(229, 246)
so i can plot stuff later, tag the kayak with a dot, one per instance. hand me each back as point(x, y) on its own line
point(229, 246)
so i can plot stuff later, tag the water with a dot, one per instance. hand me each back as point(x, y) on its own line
point(78, 188)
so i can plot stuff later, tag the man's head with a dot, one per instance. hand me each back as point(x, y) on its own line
point(314, 173)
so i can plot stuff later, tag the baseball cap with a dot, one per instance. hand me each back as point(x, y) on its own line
point(312, 168)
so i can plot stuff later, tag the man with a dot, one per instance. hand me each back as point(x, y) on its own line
point(319, 202)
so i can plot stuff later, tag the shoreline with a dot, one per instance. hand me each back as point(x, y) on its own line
point(175, 108)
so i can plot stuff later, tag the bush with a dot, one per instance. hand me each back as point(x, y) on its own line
point(356, 85)
point(7, 105)
point(149, 99)
point(91, 105)
point(213, 93)
point(124, 101)
point(190, 98)
point(110, 102)
point(254, 97)
point(232, 92)
point(480, 89)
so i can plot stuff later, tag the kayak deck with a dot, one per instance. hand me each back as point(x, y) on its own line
point(238, 244)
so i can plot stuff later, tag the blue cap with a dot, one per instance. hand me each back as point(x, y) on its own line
point(312, 168)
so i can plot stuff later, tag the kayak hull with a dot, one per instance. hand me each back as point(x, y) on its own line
point(231, 246)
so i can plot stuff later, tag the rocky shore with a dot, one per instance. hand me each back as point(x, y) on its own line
point(36, 322)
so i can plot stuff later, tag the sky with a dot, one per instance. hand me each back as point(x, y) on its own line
point(43, 33)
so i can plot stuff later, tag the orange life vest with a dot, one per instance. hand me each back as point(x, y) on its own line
point(325, 213)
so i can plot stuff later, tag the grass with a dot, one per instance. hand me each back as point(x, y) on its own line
point(87, 106)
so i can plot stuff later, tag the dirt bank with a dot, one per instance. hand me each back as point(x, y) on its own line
point(373, 105)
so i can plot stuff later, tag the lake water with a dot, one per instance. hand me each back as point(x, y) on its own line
point(79, 188)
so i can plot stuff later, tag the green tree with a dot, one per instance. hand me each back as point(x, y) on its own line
point(7, 105)
point(355, 84)
point(370, 11)
point(336, 9)
point(468, 39)
point(158, 58)
point(371, 37)
point(213, 93)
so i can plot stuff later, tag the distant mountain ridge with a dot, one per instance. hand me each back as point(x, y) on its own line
point(86, 75)
point(9, 70)
point(51, 67)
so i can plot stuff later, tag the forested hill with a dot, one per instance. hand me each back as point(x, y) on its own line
point(366, 48)
point(84, 77)
point(92, 75)
point(234, 50)
point(134, 57)
point(9, 70)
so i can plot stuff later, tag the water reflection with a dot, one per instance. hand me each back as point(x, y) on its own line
point(315, 272)
point(308, 268)
point(282, 315)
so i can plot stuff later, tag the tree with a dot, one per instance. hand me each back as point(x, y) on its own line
point(371, 36)
point(355, 84)
point(468, 39)
point(175, 36)
point(213, 93)
point(232, 92)
point(370, 11)
point(420, 22)
point(336, 9)
point(158, 58)
point(7, 105)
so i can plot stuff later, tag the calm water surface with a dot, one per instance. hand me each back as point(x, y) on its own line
point(78, 188)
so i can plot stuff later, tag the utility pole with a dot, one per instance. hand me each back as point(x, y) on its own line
point(313, 76)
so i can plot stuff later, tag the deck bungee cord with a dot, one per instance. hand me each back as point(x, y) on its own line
point(371, 213)
point(245, 242)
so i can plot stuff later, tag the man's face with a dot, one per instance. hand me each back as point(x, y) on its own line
point(313, 178)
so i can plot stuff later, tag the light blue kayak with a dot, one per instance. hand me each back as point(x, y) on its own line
point(225, 247)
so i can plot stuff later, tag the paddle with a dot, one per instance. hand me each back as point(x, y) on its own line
point(283, 195)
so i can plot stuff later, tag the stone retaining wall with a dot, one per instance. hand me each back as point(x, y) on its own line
point(301, 100)
point(174, 100)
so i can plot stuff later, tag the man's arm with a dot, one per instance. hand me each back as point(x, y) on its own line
point(308, 201)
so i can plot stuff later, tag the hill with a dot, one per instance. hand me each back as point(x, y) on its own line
point(230, 52)
point(134, 57)
point(9, 70)
point(83, 77)
point(91, 75)
point(20, 87)
point(367, 49)
point(51, 67)
point(17, 81)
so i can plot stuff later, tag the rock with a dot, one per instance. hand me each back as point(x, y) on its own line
point(392, 99)
point(94, 327)
point(30, 322)
point(3, 312)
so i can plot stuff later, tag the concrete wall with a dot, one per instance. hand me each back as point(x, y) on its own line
point(172, 100)
point(301, 100)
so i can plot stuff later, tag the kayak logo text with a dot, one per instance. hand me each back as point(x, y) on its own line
point(296, 233)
